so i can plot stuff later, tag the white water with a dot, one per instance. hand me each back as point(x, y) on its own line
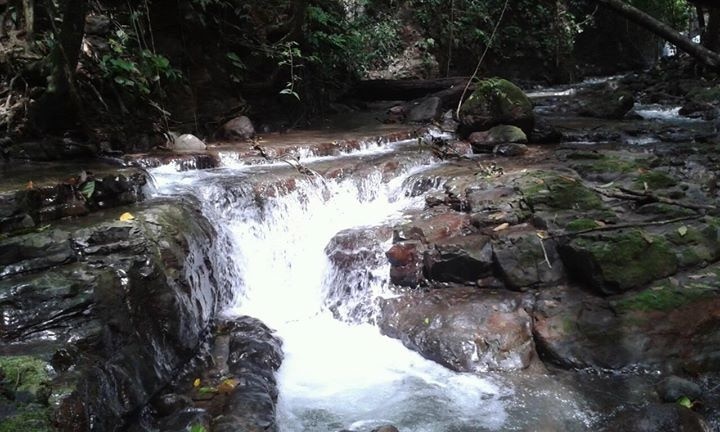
point(337, 374)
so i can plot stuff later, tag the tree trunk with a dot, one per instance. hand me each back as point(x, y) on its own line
point(711, 35)
point(663, 30)
point(60, 105)
point(29, 12)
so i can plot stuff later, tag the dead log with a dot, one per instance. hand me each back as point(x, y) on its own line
point(405, 89)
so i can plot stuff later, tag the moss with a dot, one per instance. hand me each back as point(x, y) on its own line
point(585, 155)
point(25, 373)
point(655, 180)
point(612, 164)
point(31, 418)
point(631, 259)
point(581, 225)
point(559, 192)
point(664, 297)
point(501, 101)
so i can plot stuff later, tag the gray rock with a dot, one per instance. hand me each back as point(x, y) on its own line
point(522, 264)
point(673, 388)
point(188, 142)
point(510, 149)
point(426, 110)
point(239, 128)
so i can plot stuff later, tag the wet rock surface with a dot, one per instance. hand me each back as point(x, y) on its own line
point(465, 329)
point(232, 388)
point(74, 298)
point(595, 259)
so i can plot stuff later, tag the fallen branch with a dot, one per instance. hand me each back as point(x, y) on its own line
point(627, 225)
point(629, 194)
point(664, 200)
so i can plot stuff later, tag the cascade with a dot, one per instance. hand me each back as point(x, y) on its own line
point(275, 231)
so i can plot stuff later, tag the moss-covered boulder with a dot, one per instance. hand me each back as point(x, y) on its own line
point(617, 262)
point(558, 191)
point(484, 141)
point(670, 325)
point(496, 101)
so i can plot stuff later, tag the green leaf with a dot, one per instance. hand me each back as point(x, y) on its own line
point(685, 401)
point(197, 428)
point(87, 189)
point(207, 390)
point(426, 321)
point(682, 231)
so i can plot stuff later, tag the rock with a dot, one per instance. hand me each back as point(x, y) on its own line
point(255, 354)
point(185, 419)
point(607, 105)
point(460, 259)
point(100, 284)
point(703, 110)
point(673, 388)
point(448, 122)
point(521, 261)
point(188, 142)
point(618, 261)
point(483, 142)
point(396, 114)
point(171, 403)
point(496, 101)
point(425, 111)
point(354, 255)
point(544, 133)
point(464, 329)
point(648, 329)
point(239, 128)
point(658, 418)
point(406, 263)
point(386, 428)
point(510, 149)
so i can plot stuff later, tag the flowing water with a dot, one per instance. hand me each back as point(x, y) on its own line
point(339, 372)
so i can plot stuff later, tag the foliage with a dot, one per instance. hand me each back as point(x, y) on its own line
point(674, 12)
point(132, 64)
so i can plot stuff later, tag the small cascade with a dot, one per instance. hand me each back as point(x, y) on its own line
point(305, 255)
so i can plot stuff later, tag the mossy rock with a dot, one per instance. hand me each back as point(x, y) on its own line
point(556, 191)
point(496, 101)
point(25, 374)
point(582, 224)
point(664, 297)
point(655, 180)
point(607, 164)
point(29, 418)
point(620, 261)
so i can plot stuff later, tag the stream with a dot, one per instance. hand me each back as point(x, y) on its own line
point(339, 372)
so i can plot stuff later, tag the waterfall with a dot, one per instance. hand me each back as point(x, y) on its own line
point(306, 256)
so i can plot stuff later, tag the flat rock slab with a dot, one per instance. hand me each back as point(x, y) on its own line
point(465, 329)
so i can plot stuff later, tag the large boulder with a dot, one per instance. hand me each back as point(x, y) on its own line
point(496, 101)
point(82, 313)
point(464, 329)
point(649, 329)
